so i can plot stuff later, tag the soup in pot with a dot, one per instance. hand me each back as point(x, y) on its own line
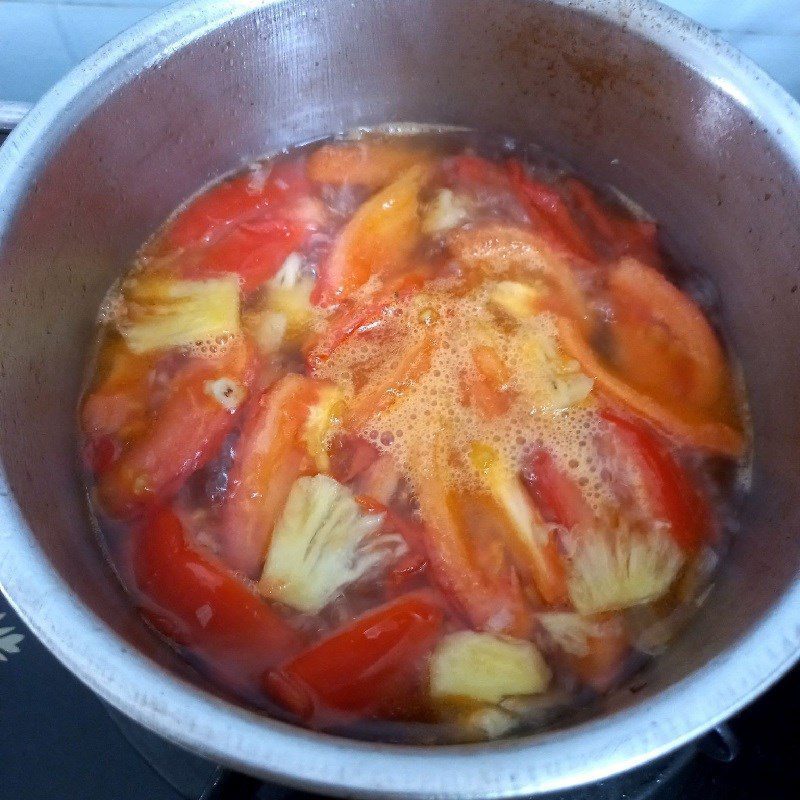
point(415, 437)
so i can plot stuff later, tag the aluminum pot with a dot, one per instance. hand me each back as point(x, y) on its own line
point(630, 92)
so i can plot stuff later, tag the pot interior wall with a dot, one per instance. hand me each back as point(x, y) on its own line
point(618, 107)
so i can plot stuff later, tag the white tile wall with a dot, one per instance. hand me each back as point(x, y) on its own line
point(40, 41)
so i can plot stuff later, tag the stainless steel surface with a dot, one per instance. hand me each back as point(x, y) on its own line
point(630, 91)
point(11, 114)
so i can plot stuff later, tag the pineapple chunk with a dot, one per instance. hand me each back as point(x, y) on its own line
point(518, 300)
point(285, 314)
point(162, 311)
point(323, 417)
point(618, 568)
point(571, 632)
point(482, 668)
point(322, 542)
point(445, 212)
point(556, 382)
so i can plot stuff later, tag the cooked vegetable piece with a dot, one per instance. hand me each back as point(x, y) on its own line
point(506, 250)
point(531, 540)
point(252, 251)
point(482, 668)
point(491, 601)
point(444, 212)
point(619, 235)
point(694, 429)
point(191, 598)
point(558, 498)
point(372, 163)
point(322, 542)
point(661, 341)
point(549, 213)
point(384, 392)
point(614, 567)
point(270, 455)
point(116, 404)
point(248, 196)
point(674, 498)
point(184, 432)
point(377, 241)
point(161, 311)
point(368, 667)
point(349, 321)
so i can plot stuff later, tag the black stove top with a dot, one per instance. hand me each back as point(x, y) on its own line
point(59, 742)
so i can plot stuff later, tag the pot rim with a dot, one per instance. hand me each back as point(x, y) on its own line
point(274, 750)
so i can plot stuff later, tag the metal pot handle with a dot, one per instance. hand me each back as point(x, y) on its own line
point(11, 114)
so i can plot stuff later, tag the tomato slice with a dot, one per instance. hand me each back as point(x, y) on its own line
point(369, 667)
point(548, 211)
point(621, 236)
point(352, 318)
point(674, 497)
point(254, 251)
point(372, 163)
point(377, 241)
point(182, 435)
point(605, 660)
point(195, 601)
point(468, 172)
point(487, 593)
point(696, 427)
point(237, 200)
point(486, 387)
point(381, 394)
point(558, 498)
point(270, 456)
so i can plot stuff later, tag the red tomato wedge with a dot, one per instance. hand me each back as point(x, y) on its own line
point(377, 241)
point(117, 401)
point(549, 213)
point(469, 172)
point(674, 497)
point(371, 163)
point(486, 387)
point(195, 601)
point(490, 600)
point(558, 498)
point(381, 394)
point(183, 434)
point(238, 200)
point(350, 319)
point(270, 456)
point(367, 667)
point(696, 427)
point(254, 251)
point(620, 236)
point(602, 665)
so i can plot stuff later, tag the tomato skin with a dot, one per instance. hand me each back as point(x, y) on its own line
point(364, 668)
point(349, 321)
point(269, 458)
point(234, 201)
point(621, 236)
point(471, 172)
point(191, 598)
point(253, 251)
point(673, 495)
point(548, 211)
point(558, 498)
point(181, 436)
